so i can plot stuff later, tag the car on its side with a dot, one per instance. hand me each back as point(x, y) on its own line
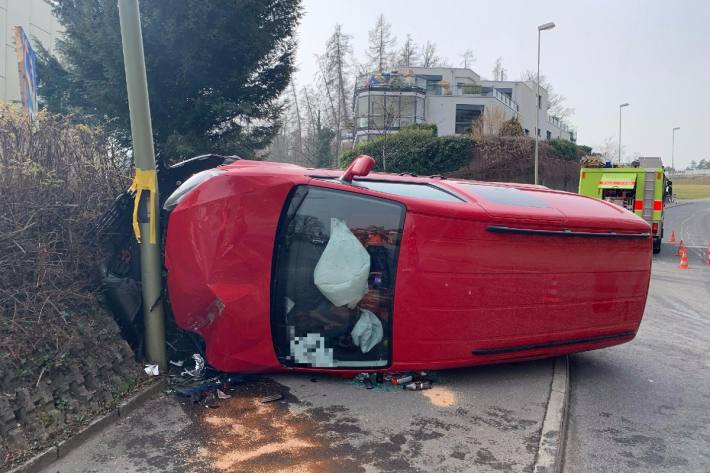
point(278, 267)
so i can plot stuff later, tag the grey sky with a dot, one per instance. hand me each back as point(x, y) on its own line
point(654, 55)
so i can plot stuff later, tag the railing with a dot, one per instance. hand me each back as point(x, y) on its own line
point(474, 90)
point(559, 123)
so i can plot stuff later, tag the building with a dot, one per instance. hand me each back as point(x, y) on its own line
point(451, 98)
point(35, 17)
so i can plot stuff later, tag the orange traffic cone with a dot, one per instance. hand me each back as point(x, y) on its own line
point(672, 240)
point(681, 248)
point(683, 259)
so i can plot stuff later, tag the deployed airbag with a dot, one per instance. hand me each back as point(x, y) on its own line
point(367, 331)
point(343, 268)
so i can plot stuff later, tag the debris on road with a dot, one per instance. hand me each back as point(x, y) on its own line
point(152, 370)
point(271, 398)
point(418, 386)
point(199, 370)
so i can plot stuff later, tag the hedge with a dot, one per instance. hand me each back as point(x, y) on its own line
point(415, 151)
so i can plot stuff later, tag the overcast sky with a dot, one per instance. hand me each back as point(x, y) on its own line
point(654, 55)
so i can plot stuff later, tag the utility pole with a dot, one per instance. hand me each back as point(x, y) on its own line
point(540, 29)
point(146, 214)
point(620, 107)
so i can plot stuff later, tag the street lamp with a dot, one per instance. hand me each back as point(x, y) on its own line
point(620, 107)
point(546, 26)
point(673, 149)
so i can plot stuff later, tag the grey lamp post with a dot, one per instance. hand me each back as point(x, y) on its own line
point(144, 158)
point(546, 26)
point(673, 149)
point(620, 107)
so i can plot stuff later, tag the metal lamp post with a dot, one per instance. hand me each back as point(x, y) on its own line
point(673, 148)
point(146, 216)
point(546, 26)
point(620, 107)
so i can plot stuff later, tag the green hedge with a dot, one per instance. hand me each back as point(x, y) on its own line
point(415, 151)
point(563, 149)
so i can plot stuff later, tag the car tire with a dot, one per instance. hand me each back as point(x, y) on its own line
point(656, 246)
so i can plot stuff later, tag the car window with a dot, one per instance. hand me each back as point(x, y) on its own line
point(406, 189)
point(333, 282)
point(505, 195)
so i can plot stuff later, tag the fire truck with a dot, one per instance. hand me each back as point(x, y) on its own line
point(640, 187)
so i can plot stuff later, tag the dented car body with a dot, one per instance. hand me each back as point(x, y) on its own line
point(278, 267)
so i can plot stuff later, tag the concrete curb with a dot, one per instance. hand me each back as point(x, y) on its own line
point(552, 436)
point(49, 456)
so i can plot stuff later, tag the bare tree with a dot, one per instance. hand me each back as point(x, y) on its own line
point(493, 118)
point(429, 56)
point(610, 149)
point(382, 45)
point(499, 72)
point(336, 70)
point(467, 58)
point(299, 128)
point(408, 54)
point(557, 102)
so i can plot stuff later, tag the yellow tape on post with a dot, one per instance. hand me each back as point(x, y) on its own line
point(145, 180)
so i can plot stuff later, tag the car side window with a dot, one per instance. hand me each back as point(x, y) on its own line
point(333, 281)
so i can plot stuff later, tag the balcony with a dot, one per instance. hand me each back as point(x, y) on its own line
point(557, 122)
point(475, 90)
point(389, 82)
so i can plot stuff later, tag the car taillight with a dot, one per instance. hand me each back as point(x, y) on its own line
point(654, 227)
point(638, 205)
point(657, 205)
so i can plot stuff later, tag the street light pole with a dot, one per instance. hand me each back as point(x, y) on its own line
point(673, 149)
point(620, 107)
point(146, 215)
point(546, 26)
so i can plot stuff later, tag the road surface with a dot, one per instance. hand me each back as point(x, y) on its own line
point(485, 419)
point(645, 406)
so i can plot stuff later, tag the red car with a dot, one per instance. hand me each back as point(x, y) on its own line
point(279, 267)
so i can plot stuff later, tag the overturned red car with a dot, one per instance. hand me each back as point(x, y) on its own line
point(278, 267)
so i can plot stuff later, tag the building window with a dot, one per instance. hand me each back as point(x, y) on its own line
point(527, 132)
point(319, 324)
point(549, 135)
point(466, 116)
point(419, 112)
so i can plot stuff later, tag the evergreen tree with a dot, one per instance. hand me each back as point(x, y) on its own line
point(215, 70)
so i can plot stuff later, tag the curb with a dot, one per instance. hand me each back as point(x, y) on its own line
point(552, 436)
point(49, 456)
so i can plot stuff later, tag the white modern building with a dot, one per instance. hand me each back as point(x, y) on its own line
point(452, 99)
point(36, 18)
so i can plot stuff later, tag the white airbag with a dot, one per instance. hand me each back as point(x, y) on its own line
point(343, 268)
point(367, 331)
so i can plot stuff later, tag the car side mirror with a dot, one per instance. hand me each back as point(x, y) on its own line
point(361, 166)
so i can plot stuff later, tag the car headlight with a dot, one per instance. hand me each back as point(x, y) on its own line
point(187, 186)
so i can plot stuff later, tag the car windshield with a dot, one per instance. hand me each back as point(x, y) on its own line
point(334, 279)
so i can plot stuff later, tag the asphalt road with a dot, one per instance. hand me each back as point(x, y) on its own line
point(645, 406)
point(485, 419)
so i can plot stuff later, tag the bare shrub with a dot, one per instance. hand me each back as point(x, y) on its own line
point(56, 178)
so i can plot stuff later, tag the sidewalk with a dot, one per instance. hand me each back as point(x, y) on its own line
point(478, 419)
